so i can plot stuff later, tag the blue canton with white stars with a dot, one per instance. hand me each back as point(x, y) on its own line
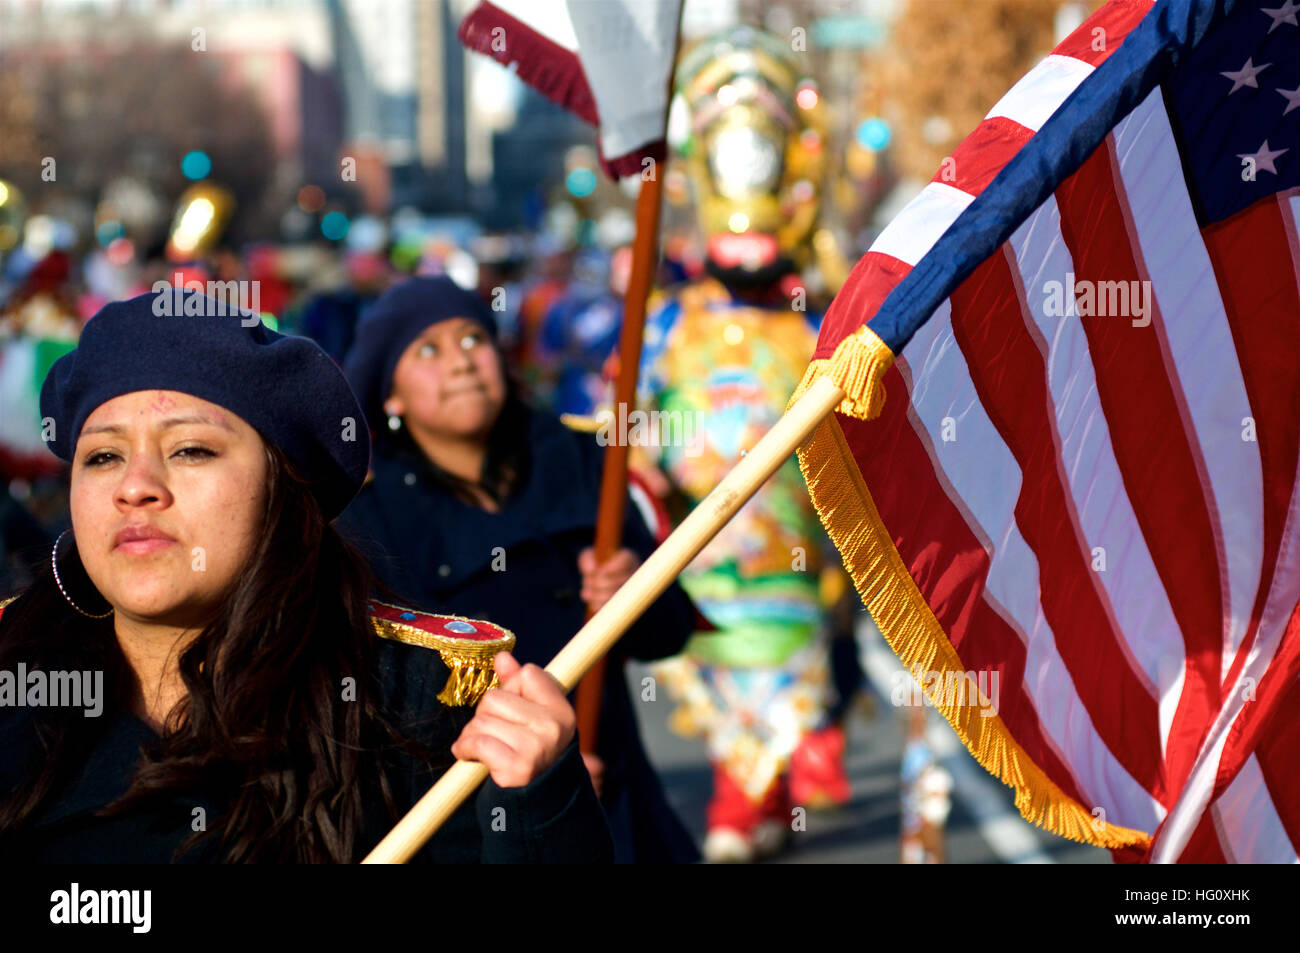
point(1235, 103)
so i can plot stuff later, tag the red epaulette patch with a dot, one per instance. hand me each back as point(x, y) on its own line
point(467, 646)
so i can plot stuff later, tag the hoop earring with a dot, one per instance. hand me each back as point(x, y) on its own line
point(273, 474)
point(54, 562)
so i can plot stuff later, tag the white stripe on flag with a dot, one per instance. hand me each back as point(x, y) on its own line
point(915, 229)
point(1130, 580)
point(1041, 91)
point(1250, 832)
point(982, 472)
point(1194, 324)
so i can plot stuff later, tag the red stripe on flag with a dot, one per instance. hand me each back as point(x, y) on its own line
point(949, 565)
point(982, 154)
point(1155, 446)
point(1255, 265)
point(1115, 21)
point(1270, 701)
point(1275, 742)
point(1007, 368)
point(1203, 846)
point(543, 64)
point(866, 289)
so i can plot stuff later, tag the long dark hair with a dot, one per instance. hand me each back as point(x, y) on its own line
point(263, 722)
point(505, 465)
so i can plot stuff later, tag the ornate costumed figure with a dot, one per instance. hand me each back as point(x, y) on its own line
point(722, 357)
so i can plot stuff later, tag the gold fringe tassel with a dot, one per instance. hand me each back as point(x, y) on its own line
point(467, 680)
point(858, 367)
point(891, 596)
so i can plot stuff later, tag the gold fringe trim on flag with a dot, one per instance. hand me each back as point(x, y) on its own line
point(891, 596)
point(858, 368)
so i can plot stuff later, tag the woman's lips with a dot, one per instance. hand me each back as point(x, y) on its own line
point(141, 546)
point(141, 539)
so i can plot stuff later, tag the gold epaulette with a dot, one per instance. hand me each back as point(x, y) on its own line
point(467, 646)
point(5, 602)
point(581, 423)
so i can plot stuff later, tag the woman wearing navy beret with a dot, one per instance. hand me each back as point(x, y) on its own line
point(203, 673)
point(484, 506)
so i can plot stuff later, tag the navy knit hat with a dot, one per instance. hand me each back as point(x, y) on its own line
point(284, 386)
point(398, 317)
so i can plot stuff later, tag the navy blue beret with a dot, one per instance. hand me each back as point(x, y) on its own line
point(284, 386)
point(398, 317)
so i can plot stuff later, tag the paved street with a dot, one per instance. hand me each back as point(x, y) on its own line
point(983, 827)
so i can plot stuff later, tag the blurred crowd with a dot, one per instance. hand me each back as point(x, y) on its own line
point(558, 303)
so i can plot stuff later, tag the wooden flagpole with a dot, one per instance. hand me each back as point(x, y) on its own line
point(604, 629)
point(613, 479)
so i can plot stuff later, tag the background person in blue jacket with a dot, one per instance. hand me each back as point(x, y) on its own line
point(483, 506)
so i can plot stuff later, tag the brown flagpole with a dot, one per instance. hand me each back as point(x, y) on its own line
point(613, 482)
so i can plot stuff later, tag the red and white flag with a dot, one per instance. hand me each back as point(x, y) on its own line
point(607, 61)
point(1071, 451)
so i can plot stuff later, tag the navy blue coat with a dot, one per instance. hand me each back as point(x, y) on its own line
point(438, 553)
point(553, 819)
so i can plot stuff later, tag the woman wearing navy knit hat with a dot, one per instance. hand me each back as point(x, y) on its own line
point(242, 696)
point(483, 506)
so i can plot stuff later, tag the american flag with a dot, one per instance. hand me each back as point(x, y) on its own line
point(1084, 473)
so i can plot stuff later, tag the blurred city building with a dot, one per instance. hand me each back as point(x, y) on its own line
point(317, 114)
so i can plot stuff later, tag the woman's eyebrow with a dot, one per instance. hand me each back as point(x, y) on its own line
point(169, 422)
